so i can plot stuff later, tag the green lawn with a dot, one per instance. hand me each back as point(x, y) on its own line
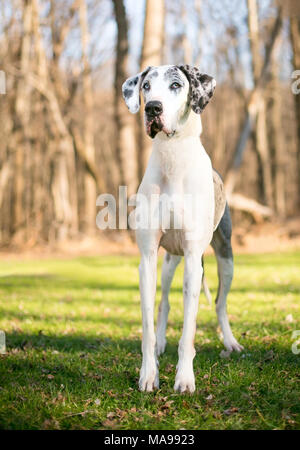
point(73, 330)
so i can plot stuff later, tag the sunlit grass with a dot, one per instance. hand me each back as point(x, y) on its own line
point(73, 330)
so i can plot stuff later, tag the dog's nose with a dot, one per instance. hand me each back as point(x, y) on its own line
point(154, 108)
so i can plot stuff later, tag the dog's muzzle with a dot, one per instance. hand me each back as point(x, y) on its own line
point(153, 111)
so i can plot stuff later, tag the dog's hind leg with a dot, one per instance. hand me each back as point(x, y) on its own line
point(168, 269)
point(221, 244)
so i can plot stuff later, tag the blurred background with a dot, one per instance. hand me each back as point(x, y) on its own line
point(66, 135)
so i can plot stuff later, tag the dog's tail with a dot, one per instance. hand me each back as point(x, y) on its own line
point(206, 289)
point(205, 286)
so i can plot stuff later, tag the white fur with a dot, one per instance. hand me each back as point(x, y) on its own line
point(173, 105)
point(177, 166)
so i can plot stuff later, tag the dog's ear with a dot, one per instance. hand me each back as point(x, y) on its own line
point(131, 91)
point(202, 87)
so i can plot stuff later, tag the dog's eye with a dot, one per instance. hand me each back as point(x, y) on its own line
point(146, 86)
point(175, 85)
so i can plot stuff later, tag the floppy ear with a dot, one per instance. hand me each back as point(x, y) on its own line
point(202, 87)
point(131, 91)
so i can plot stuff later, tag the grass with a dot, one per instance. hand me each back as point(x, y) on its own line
point(73, 330)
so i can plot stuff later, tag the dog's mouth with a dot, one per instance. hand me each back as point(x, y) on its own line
point(155, 125)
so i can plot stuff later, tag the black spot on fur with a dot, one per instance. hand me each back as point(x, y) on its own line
point(153, 74)
point(128, 93)
point(201, 87)
point(133, 82)
point(131, 90)
point(172, 72)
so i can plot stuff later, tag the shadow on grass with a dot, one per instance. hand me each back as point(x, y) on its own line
point(89, 367)
point(74, 343)
point(64, 317)
point(51, 281)
point(55, 281)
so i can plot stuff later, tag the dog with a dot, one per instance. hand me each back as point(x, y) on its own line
point(174, 98)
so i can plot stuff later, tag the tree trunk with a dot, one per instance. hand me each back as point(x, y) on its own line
point(261, 136)
point(152, 49)
point(126, 153)
point(21, 129)
point(63, 188)
point(198, 10)
point(295, 39)
point(252, 109)
point(186, 45)
point(254, 39)
point(263, 150)
point(278, 144)
point(88, 123)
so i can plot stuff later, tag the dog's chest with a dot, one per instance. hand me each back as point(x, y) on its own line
point(182, 176)
point(174, 158)
point(173, 165)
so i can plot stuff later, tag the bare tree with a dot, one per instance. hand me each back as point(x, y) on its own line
point(63, 188)
point(88, 121)
point(186, 44)
point(20, 137)
point(153, 44)
point(198, 10)
point(125, 131)
point(277, 141)
point(295, 40)
point(261, 135)
point(252, 108)
point(62, 129)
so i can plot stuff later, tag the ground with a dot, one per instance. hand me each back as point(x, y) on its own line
point(73, 330)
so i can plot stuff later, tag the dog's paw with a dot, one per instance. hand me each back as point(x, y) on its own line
point(232, 345)
point(149, 380)
point(185, 382)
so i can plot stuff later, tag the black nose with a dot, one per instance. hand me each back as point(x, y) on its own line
point(154, 108)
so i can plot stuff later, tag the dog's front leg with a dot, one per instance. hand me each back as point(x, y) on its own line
point(148, 245)
point(185, 379)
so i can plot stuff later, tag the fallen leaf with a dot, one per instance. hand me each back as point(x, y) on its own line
point(50, 424)
point(121, 413)
point(167, 404)
point(109, 423)
point(230, 411)
point(169, 368)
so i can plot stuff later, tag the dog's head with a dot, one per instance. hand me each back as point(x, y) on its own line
point(170, 92)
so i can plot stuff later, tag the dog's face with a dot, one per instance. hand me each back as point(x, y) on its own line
point(169, 93)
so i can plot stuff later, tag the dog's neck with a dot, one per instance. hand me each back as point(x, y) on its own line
point(191, 127)
point(188, 127)
point(175, 153)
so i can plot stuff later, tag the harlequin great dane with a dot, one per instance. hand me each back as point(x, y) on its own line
point(174, 98)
